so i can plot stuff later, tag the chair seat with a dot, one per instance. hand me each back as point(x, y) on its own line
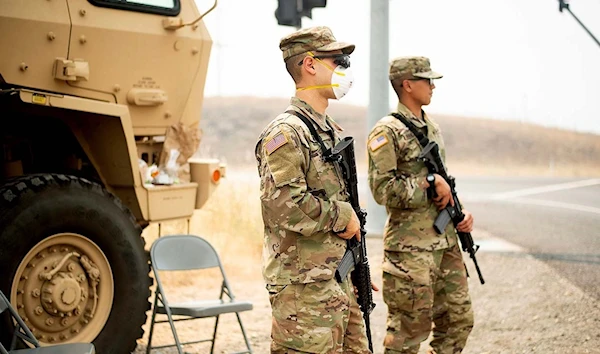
point(75, 348)
point(200, 309)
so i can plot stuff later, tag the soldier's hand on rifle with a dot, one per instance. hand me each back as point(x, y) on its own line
point(352, 229)
point(467, 224)
point(443, 193)
point(374, 287)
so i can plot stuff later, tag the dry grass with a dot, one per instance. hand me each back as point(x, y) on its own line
point(231, 126)
point(230, 221)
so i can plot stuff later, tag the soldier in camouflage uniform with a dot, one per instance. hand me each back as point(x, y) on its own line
point(424, 277)
point(305, 211)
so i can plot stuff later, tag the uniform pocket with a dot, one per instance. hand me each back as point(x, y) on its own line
point(298, 320)
point(407, 281)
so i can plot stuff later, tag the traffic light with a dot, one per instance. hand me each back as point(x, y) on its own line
point(563, 4)
point(287, 13)
point(290, 12)
point(308, 5)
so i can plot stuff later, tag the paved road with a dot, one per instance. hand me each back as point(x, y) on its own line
point(556, 220)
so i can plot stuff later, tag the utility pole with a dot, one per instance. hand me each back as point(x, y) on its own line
point(379, 104)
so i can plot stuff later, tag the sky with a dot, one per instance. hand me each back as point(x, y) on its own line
point(518, 60)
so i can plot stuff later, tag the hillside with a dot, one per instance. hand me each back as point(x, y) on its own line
point(477, 146)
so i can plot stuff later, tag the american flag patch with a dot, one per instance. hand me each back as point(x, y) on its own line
point(378, 142)
point(275, 143)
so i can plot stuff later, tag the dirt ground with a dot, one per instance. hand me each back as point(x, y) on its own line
point(524, 307)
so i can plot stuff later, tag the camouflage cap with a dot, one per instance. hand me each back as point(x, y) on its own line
point(319, 39)
point(401, 67)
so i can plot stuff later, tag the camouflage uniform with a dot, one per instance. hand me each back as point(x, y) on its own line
point(424, 277)
point(304, 205)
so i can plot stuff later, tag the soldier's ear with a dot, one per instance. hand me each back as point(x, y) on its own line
point(406, 84)
point(309, 65)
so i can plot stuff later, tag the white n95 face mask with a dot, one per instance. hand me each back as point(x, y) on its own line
point(342, 78)
point(341, 81)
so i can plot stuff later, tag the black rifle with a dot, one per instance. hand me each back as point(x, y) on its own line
point(430, 155)
point(356, 253)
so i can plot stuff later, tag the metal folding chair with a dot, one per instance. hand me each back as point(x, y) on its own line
point(23, 332)
point(189, 252)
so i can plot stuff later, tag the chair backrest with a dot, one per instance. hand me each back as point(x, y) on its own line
point(183, 252)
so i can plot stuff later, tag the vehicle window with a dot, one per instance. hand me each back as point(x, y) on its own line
point(161, 7)
point(166, 4)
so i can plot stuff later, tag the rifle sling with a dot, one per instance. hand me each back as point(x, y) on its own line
point(313, 132)
point(423, 140)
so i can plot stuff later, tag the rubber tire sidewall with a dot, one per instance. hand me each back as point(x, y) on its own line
point(83, 208)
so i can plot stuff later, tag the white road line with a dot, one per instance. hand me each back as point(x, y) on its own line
point(498, 245)
point(551, 203)
point(545, 189)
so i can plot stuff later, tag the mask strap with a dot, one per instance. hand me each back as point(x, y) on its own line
point(316, 87)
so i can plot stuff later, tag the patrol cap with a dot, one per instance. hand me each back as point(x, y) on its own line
point(407, 67)
point(318, 39)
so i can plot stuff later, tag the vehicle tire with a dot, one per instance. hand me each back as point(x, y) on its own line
point(65, 242)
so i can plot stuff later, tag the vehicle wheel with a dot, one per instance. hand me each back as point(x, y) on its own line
point(73, 263)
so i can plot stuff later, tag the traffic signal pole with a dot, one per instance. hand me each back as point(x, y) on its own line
point(564, 5)
point(379, 103)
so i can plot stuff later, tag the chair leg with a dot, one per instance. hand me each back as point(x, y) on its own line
point(149, 346)
point(2, 349)
point(169, 315)
point(212, 346)
point(243, 332)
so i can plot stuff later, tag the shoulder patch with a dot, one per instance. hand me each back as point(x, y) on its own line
point(275, 143)
point(378, 141)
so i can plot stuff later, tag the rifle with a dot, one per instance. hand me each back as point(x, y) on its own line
point(430, 155)
point(432, 159)
point(356, 252)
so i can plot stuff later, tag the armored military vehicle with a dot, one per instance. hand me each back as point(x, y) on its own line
point(89, 90)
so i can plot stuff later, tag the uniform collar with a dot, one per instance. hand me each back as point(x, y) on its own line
point(299, 105)
point(403, 110)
